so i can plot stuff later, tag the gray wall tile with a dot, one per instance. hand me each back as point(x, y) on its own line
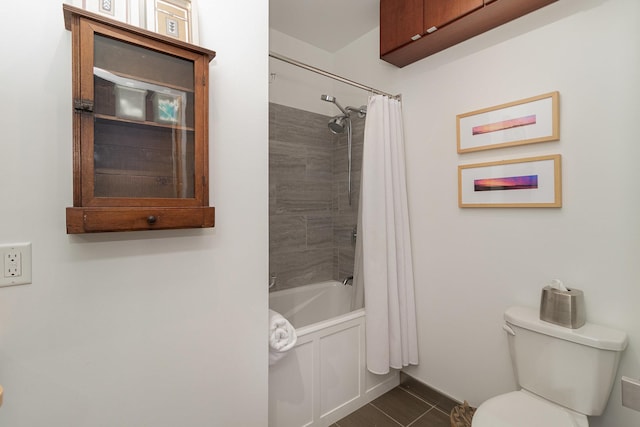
point(287, 233)
point(310, 220)
point(320, 232)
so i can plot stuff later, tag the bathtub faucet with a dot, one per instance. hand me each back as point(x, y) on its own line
point(348, 281)
point(272, 280)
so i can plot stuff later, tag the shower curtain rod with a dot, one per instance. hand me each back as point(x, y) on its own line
point(330, 75)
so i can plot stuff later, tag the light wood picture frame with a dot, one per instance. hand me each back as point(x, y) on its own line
point(526, 121)
point(519, 183)
point(173, 18)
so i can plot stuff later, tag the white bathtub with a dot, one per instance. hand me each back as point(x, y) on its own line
point(323, 378)
point(311, 304)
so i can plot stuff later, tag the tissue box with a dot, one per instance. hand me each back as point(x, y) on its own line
point(130, 103)
point(564, 308)
point(167, 108)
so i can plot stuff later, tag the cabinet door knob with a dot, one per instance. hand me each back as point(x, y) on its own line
point(151, 219)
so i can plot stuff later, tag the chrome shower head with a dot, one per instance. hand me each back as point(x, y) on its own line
point(332, 99)
point(338, 124)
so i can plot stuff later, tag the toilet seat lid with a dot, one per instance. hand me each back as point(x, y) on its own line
point(523, 409)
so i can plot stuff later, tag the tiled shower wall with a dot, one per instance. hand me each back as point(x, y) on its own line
point(310, 220)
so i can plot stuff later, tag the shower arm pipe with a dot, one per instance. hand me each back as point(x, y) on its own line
point(330, 75)
point(362, 111)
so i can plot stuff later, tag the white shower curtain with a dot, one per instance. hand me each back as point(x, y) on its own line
point(386, 267)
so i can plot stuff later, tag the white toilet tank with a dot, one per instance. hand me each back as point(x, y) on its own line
point(575, 368)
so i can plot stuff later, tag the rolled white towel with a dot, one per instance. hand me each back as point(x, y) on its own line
point(282, 336)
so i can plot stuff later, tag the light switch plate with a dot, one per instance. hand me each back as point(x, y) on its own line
point(631, 393)
point(15, 267)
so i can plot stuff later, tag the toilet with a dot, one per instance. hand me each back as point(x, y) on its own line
point(564, 374)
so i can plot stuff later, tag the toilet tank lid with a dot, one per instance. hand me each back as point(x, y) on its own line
point(590, 334)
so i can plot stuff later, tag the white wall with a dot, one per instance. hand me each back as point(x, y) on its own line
point(163, 328)
point(300, 88)
point(471, 264)
point(296, 87)
point(360, 61)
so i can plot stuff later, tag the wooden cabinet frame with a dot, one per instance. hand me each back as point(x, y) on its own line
point(92, 212)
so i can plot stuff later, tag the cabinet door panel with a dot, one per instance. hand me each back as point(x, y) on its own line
point(400, 20)
point(143, 132)
point(440, 12)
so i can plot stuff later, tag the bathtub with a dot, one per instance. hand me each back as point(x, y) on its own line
point(324, 377)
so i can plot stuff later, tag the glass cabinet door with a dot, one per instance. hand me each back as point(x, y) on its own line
point(143, 144)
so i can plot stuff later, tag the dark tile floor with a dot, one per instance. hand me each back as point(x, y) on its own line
point(410, 404)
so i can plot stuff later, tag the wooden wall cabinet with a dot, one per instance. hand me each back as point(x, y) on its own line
point(140, 128)
point(400, 23)
point(411, 30)
point(438, 13)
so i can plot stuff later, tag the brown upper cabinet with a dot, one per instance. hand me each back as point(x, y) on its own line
point(400, 22)
point(140, 128)
point(441, 12)
point(414, 29)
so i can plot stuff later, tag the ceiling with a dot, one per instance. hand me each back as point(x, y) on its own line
point(327, 24)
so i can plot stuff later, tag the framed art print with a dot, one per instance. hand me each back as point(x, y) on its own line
point(519, 183)
point(526, 121)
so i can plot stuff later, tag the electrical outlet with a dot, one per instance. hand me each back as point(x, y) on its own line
point(13, 263)
point(16, 264)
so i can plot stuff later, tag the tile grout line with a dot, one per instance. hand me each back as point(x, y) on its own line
point(437, 404)
point(393, 419)
point(438, 409)
point(416, 420)
point(433, 405)
point(411, 393)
